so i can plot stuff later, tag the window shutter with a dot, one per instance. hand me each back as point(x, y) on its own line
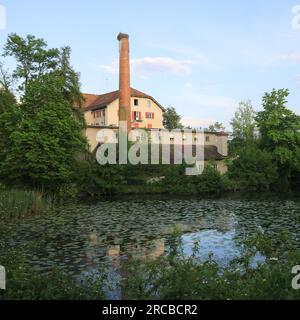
point(140, 115)
point(152, 115)
point(133, 115)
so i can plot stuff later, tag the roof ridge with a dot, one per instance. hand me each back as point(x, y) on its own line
point(104, 99)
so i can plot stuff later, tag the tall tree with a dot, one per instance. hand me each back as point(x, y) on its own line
point(243, 122)
point(280, 132)
point(42, 134)
point(46, 136)
point(70, 76)
point(32, 56)
point(172, 119)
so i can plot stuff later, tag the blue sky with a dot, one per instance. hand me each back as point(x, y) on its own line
point(200, 56)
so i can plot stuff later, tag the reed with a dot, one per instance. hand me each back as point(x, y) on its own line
point(20, 203)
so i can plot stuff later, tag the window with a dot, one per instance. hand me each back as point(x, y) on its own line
point(149, 103)
point(149, 115)
point(207, 138)
point(136, 125)
point(136, 115)
point(149, 126)
point(136, 102)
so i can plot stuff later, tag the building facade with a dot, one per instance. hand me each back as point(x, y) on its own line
point(103, 110)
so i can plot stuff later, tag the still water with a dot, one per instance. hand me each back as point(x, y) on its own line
point(79, 238)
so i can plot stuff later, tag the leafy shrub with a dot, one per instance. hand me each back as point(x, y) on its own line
point(24, 283)
point(94, 179)
point(254, 169)
point(209, 182)
point(180, 277)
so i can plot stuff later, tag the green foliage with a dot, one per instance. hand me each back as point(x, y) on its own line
point(41, 153)
point(18, 204)
point(32, 55)
point(272, 160)
point(254, 169)
point(42, 136)
point(178, 277)
point(172, 119)
point(209, 182)
point(94, 179)
point(24, 283)
point(243, 126)
point(216, 127)
point(280, 131)
point(7, 100)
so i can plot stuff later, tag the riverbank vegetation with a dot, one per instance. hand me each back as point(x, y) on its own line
point(172, 276)
point(16, 204)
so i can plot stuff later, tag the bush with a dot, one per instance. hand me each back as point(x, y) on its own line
point(209, 182)
point(177, 277)
point(94, 179)
point(24, 283)
point(254, 169)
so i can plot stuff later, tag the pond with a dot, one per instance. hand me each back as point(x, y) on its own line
point(79, 238)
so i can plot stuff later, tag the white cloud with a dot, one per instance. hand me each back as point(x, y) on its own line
point(154, 65)
point(291, 57)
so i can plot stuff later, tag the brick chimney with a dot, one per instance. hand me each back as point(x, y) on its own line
point(124, 86)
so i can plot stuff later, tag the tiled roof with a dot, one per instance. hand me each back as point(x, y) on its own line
point(210, 153)
point(93, 101)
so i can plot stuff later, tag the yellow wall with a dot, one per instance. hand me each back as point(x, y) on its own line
point(143, 107)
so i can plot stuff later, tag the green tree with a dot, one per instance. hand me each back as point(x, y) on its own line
point(32, 56)
point(42, 135)
point(172, 119)
point(243, 122)
point(46, 137)
point(280, 132)
point(5, 78)
point(71, 77)
point(254, 169)
point(9, 119)
point(216, 127)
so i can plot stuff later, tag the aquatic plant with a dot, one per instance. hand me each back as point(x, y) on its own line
point(20, 203)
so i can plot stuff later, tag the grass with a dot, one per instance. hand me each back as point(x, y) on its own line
point(19, 203)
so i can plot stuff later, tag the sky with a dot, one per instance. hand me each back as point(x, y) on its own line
point(200, 56)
